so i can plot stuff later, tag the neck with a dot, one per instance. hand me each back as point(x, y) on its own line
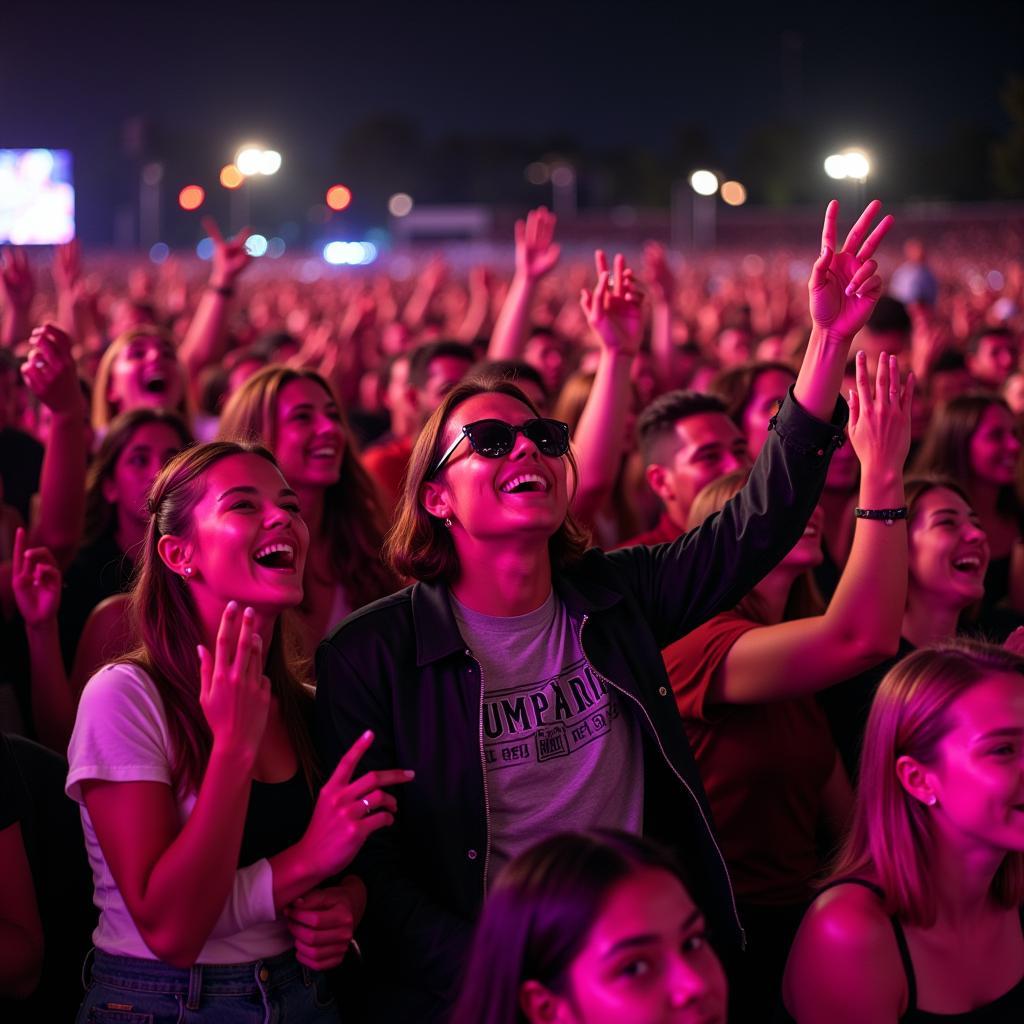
point(211, 611)
point(512, 580)
point(129, 535)
point(927, 621)
point(963, 877)
point(773, 592)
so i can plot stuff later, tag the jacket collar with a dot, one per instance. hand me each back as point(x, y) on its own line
point(437, 632)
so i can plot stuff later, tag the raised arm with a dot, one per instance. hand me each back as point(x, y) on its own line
point(862, 623)
point(49, 372)
point(614, 312)
point(536, 255)
point(204, 341)
point(662, 284)
point(18, 288)
point(37, 582)
point(479, 306)
point(843, 289)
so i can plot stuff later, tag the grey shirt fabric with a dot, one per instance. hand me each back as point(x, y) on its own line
point(560, 753)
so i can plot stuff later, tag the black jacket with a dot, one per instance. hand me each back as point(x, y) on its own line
point(400, 667)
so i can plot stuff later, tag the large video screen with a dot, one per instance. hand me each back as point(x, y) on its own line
point(37, 197)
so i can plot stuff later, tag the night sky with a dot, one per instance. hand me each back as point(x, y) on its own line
point(893, 78)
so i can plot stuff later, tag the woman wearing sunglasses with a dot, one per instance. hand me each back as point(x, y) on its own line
point(521, 675)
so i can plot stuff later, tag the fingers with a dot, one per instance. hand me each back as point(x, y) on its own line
point(205, 672)
point(19, 550)
point(245, 645)
point(828, 230)
point(860, 277)
point(894, 380)
point(227, 636)
point(860, 229)
point(367, 786)
point(318, 958)
point(600, 262)
point(863, 382)
point(619, 283)
point(240, 238)
point(600, 299)
point(882, 376)
point(853, 399)
point(210, 227)
point(907, 397)
point(348, 761)
point(875, 238)
point(819, 272)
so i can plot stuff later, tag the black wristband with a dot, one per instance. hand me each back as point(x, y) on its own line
point(887, 515)
point(226, 290)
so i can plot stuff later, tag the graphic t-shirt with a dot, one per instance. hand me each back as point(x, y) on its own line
point(561, 753)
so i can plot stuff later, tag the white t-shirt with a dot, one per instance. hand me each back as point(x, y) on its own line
point(121, 735)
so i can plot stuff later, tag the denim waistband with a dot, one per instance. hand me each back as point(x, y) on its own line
point(135, 974)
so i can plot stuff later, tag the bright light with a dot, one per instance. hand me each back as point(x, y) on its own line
point(336, 253)
point(733, 193)
point(191, 197)
point(256, 245)
point(231, 176)
point(400, 204)
point(275, 248)
point(270, 161)
point(247, 160)
point(350, 254)
point(159, 252)
point(835, 166)
point(338, 197)
point(204, 250)
point(704, 183)
point(851, 163)
point(369, 252)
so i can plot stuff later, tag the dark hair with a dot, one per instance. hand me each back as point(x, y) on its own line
point(735, 386)
point(423, 355)
point(353, 521)
point(888, 315)
point(974, 341)
point(946, 447)
point(949, 361)
point(538, 914)
point(418, 545)
point(99, 513)
point(657, 422)
point(165, 620)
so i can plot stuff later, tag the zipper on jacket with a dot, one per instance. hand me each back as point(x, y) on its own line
point(672, 768)
point(483, 769)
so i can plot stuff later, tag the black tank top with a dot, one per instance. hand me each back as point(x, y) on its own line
point(1007, 1009)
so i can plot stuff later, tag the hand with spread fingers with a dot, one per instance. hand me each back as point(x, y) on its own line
point(17, 282)
point(880, 419)
point(614, 309)
point(36, 581)
point(230, 256)
point(536, 251)
point(844, 284)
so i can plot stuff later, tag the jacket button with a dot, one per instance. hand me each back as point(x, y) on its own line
point(821, 451)
point(471, 854)
point(264, 974)
point(468, 653)
point(663, 691)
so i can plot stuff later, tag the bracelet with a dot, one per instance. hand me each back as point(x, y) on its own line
point(887, 515)
point(226, 290)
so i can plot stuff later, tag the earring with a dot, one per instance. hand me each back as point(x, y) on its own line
point(932, 800)
point(448, 523)
point(188, 572)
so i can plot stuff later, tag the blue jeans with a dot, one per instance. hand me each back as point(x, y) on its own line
point(278, 990)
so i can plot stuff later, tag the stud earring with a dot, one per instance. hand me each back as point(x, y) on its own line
point(187, 571)
point(932, 800)
point(448, 523)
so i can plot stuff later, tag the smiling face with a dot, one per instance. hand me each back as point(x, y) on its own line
point(151, 445)
point(523, 493)
point(995, 359)
point(249, 541)
point(310, 441)
point(646, 960)
point(806, 553)
point(978, 775)
point(994, 447)
point(145, 373)
point(948, 550)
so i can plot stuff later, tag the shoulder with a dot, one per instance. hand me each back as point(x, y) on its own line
point(373, 619)
point(845, 956)
point(121, 681)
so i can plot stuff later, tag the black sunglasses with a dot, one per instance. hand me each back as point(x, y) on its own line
point(494, 438)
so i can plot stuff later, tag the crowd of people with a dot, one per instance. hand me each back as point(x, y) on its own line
point(638, 643)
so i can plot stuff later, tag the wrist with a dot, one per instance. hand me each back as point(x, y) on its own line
point(42, 630)
point(232, 757)
point(881, 490)
point(294, 873)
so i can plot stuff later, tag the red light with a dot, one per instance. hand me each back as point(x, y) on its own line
point(191, 197)
point(338, 197)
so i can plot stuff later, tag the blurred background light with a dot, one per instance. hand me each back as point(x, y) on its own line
point(248, 160)
point(338, 197)
point(733, 193)
point(191, 197)
point(204, 250)
point(256, 245)
point(159, 252)
point(400, 204)
point(276, 248)
point(270, 161)
point(231, 176)
point(704, 183)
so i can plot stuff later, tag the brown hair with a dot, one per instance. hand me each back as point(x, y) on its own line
point(804, 600)
point(735, 386)
point(102, 411)
point(100, 515)
point(418, 545)
point(166, 620)
point(891, 840)
point(353, 521)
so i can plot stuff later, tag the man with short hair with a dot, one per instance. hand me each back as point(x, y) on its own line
point(992, 355)
point(887, 330)
point(686, 440)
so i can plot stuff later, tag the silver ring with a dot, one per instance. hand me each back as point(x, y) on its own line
point(366, 804)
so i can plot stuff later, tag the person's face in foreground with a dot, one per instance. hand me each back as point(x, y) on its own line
point(646, 960)
point(978, 777)
point(519, 494)
point(310, 442)
point(145, 373)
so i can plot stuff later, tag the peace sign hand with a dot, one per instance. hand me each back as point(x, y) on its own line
point(230, 257)
point(844, 285)
point(615, 308)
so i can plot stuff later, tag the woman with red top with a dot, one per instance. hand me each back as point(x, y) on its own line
point(744, 683)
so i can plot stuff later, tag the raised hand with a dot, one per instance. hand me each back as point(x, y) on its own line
point(536, 252)
point(67, 265)
point(658, 273)
point(845, 285)
point(49, 370)
point(347, 812)
point(880, 420)
point(614, 310)
point(233, 691)
point(36, 581)
point(230, 256)
point(17, 282)
point(322, 923)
